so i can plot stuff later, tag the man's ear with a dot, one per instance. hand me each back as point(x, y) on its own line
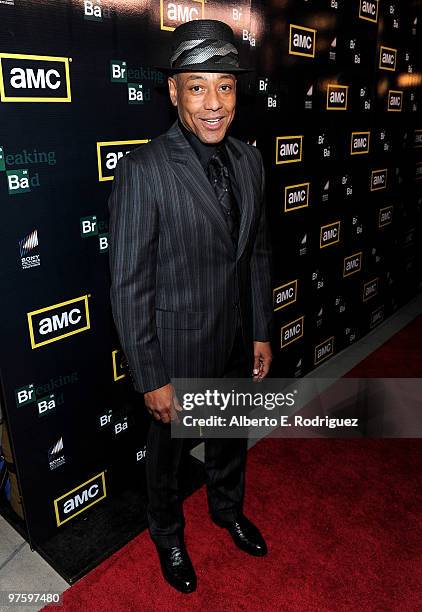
point(172, 83)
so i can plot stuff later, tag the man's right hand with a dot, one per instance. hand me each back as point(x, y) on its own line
point(163, 404)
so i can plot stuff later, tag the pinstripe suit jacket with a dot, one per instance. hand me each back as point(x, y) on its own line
point(176, 278)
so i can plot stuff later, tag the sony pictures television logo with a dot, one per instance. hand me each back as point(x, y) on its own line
point(28, 248)
point(58, 321)
point(34, 78)
point(173, 14)
point(56, 456)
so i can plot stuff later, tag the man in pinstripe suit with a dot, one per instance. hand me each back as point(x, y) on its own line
point(191, 280)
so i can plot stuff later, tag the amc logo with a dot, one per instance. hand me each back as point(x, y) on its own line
point(80, 499)
point(58, 321)
point(378, 179)
point(173, 14)
point(109, 153)
point(329, 234)
point(323, 350)
point(376, 316)
point(302, 41)
point(296, 196)
point(119, 364)
point(418, 139)
point(394, 101)
point(370, 289)
point(385, 216)
point(288, 149)
point(34, 78)
point(291, 332)
point(285, 295)
point(418, 171)
point(337, 96)
point(359, 143)
point(388, 58)
point(352, 264)
point(368, 10)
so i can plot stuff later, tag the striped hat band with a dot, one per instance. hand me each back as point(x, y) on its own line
point(199, 51)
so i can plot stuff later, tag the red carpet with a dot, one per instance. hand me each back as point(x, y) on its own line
point(342, 519)
point(400, 356)
point(342, 523)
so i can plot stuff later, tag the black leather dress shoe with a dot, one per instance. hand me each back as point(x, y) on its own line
point(177, 568)
point(245, 535)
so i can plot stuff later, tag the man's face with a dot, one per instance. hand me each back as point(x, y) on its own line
point(206, 102)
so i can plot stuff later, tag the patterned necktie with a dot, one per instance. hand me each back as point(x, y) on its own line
point(218, 175)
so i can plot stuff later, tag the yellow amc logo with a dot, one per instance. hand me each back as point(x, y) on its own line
point(337, 96)
point(418, 139)
point(34, 78)
point(352, 264)
point(359, 143)
point(284, 295)
point(329, 234)
point(288, 149)
point(109, 153)
point(58, 321)
point(378, 179)
point(370, 289)
point(118, 358)
point(323, 350)
point(394, 101)
point(376, 316)
point(291, 332)
point(368, 10)
point(385, 216)
point(302, 41)
point(80, 499)
point(296, 196)
point(173, 14)
point(388, 58)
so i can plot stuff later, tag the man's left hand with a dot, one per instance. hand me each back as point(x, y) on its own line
point(262, 359)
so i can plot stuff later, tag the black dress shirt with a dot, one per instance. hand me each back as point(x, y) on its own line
point(205, 151)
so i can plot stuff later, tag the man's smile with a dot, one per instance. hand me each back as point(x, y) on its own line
point(214, 123)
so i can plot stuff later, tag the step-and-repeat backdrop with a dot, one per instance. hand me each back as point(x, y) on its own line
point(334, 106)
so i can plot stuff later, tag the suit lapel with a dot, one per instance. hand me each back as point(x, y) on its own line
point(189, 171)
point(242, 178)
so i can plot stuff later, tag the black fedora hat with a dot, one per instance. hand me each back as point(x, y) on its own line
point(206, 45)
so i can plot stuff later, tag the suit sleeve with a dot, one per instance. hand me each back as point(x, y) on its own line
point(261, 271)
point(133, 245)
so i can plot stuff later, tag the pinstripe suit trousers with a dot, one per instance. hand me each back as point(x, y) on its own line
point(225, 461)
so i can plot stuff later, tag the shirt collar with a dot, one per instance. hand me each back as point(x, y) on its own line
point(203, 151)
